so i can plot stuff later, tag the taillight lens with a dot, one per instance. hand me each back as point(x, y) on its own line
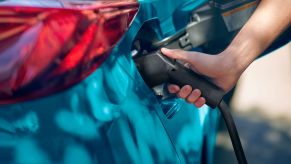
point(45, 50)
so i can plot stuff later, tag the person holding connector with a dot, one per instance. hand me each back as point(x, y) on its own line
point(269, 20)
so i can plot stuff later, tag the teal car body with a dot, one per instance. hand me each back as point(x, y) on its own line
point(112, 116)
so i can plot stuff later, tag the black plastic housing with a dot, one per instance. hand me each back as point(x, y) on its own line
point(157, 69)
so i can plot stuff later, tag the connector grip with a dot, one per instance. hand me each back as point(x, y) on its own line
point(182, 76)
point(156, 69)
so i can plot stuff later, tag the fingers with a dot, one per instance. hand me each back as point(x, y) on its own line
point(193, 97)
point(200, 102)
point(196, 99)
point(173, 88)
point(185, 92)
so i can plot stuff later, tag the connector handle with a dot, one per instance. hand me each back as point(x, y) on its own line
point(156, 69)
point(182, 76)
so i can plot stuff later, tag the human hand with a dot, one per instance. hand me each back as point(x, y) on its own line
point(221, 70)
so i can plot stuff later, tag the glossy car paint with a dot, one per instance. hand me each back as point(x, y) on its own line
point(112, 116)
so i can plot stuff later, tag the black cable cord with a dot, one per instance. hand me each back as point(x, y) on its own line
point(239, 152)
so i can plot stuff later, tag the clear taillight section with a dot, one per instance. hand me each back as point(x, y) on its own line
point(45, 50)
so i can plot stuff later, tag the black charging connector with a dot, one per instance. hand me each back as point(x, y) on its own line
point(157, 69)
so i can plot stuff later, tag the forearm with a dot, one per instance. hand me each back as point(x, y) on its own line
point(270, 19)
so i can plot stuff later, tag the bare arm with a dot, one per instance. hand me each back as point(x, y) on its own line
point(269, 20)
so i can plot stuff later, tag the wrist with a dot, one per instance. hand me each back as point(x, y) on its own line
point(234, 60)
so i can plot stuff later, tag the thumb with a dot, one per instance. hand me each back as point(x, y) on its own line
point(178, 54)
point(193, 60)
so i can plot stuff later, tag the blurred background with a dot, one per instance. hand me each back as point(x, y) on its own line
point(262, 111)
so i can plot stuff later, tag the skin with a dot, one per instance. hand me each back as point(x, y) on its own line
point(269, 20)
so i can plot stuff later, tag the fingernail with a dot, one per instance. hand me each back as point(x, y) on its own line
point(197, 91)
point(187, 65)
point(172, 89)
point(188, 87)
point(200, 102)
point(165, 50)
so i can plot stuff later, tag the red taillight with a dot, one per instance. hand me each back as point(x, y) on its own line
point(44, 50)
